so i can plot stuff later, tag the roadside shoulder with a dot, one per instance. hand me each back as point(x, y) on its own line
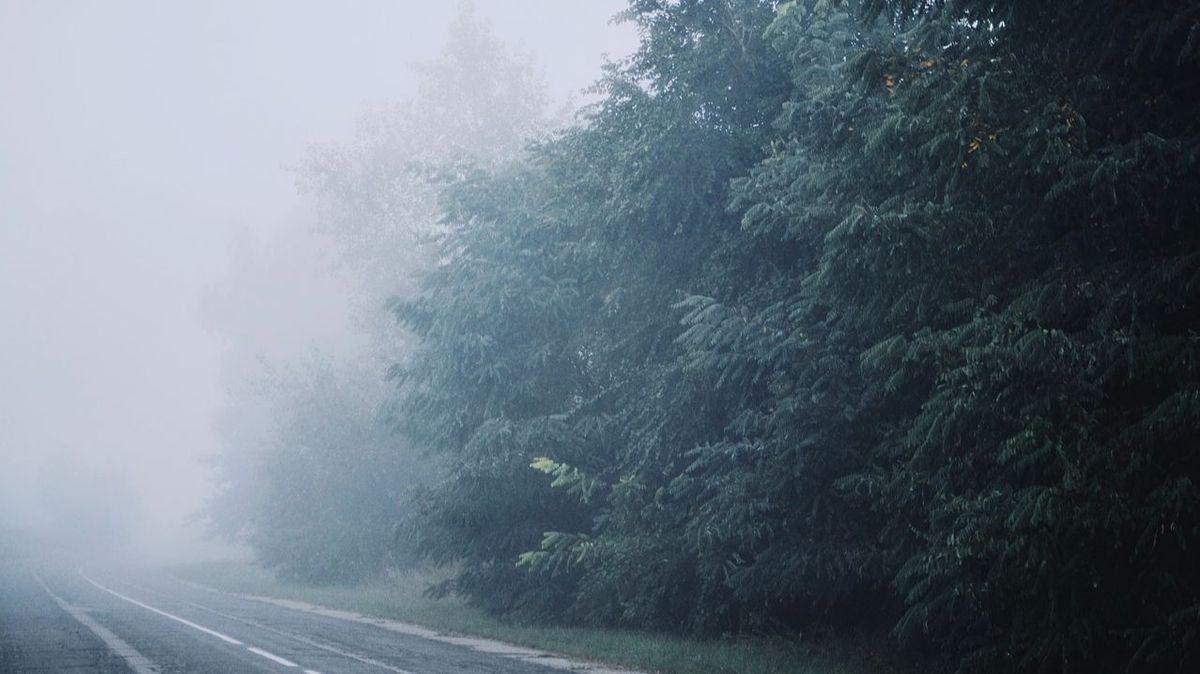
point(482, 645)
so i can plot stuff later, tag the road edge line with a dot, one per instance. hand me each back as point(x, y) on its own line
point(223, 637)
point(271, 656)
point(366, 660)
point(119, 647)
point(525, 654)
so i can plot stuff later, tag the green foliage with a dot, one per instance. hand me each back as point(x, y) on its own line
point(550, 330)
point(316, 479)
point(492, 390)
point(869, 314)
point(400, 596)
point(1029, 486)
point(329, 492)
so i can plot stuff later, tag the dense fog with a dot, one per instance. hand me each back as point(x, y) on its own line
point(158, 259)
point(857, 333)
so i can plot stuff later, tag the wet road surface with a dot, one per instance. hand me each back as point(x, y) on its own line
point(106, 619)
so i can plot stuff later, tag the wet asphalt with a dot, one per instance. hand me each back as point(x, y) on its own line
point(63, 618)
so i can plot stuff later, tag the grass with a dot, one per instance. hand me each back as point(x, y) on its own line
point(400, 597)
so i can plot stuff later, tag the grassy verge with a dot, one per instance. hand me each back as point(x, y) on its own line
point(399, 597)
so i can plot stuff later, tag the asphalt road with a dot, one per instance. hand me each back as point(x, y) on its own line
point(117, 619)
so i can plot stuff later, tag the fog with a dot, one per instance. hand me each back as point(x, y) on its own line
point(791, 335)
point(154, 248)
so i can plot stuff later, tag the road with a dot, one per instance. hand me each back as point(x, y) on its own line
point(117, 619)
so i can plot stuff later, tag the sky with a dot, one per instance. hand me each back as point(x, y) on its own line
point(142, 146)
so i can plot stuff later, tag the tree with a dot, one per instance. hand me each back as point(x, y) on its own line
point(329, 491)
point(477, 102)
point(924, 344)
point(336, 483)
point(874, 314)
point(548, 332)
point(998, 202)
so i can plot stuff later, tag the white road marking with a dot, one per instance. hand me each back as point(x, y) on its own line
point(139, 663)
point(257, 651)
point(490, 646)
point(290, 635)
point(271, 656)
point(223, 637)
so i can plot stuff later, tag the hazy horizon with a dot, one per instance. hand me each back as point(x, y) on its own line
point(144, 154)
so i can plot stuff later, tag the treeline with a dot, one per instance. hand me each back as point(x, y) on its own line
point(312, 475)
point(875, 314)
point(872, 315)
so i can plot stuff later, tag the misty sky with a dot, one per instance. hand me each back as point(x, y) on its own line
point(142, 144)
